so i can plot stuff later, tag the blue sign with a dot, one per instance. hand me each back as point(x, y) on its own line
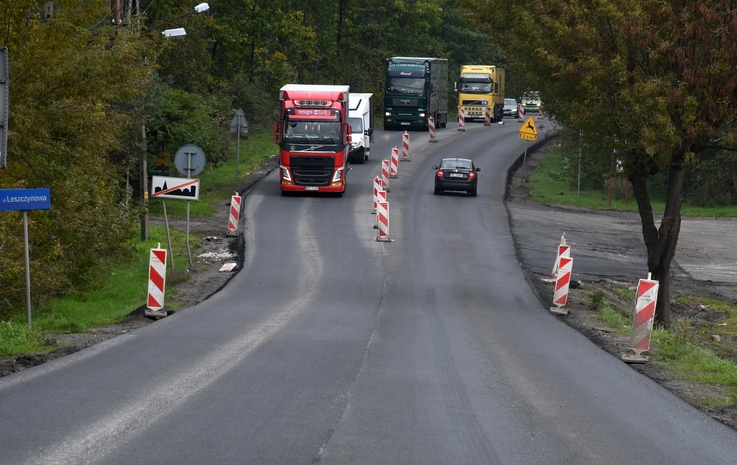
point(25, 199)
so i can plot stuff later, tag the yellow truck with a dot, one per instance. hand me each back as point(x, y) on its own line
point(481, 86)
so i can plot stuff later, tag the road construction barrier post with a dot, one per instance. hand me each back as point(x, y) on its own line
point(562, 277)
point(431, 126)
point(235, 213)
point(540, 112)
point(156, 283)
point(380, 197)
point(521, 113)
point(461, 119)
point(642, 325)
point(487, 116)
point(377, 188)
point(382, 218)
point(394, 162)
point(385, 175)
point(405, 147)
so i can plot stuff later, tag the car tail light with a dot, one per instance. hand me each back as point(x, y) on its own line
point(471, 175)
point(440, 173)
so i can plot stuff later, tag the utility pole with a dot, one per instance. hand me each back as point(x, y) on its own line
point(143, 165)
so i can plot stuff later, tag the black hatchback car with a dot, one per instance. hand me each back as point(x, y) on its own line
point(456, 174)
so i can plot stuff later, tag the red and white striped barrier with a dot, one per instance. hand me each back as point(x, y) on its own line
point(642, 325)
point(540, 112)
point(562, 273)
point(405, 147)
point(461, 118)
point(235, 213)
point(385, 175)
point(431, 126)
point(487, 117)
point(377, 188)
point(521, 113)
point(156, 282)
point(382, 218)
point(394, 162)
point(380, 197)
point(562, 282)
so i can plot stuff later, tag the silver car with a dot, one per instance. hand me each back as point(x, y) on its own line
point(511, 108)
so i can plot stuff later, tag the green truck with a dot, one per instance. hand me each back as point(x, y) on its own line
point(416, 89)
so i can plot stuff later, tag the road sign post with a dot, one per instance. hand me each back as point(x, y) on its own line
point(24, 200)
point(237, 125)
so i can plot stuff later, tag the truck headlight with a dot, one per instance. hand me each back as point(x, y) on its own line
point(388, 113)
point(285, 173)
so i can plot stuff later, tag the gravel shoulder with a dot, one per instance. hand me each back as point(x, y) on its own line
point(704, 267)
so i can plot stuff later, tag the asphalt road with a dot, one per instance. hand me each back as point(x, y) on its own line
point(330, 347)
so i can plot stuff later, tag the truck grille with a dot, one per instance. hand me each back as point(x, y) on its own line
point(404, 102)
point(312, 171)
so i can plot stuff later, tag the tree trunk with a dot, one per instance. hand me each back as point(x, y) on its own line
point(660, 243)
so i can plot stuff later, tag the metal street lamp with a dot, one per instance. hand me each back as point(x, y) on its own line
point(178, 33)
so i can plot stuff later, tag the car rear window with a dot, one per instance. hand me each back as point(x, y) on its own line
point(462, 164)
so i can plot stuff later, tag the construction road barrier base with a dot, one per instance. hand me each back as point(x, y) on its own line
point(635, 358)
point(558, 311)
point(154, 313)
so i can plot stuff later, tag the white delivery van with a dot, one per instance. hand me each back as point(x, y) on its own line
point(361, 119)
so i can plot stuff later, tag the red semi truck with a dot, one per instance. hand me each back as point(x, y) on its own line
point(314, 138)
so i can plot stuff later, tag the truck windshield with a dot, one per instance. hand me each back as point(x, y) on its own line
point(356, 125)
point(475, 87)
point(312, 132)
point(402, 85)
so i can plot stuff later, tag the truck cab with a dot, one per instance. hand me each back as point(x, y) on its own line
point(313, 136)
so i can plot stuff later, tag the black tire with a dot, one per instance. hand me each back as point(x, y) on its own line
point(473, 193)
point(437, 191)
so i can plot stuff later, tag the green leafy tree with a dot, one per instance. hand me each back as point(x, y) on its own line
point(66, 79)
point(654, 79)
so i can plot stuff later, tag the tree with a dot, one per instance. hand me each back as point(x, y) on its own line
point(67, 81)
point(655, 79)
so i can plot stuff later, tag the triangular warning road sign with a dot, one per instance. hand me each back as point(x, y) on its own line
point(529, 127)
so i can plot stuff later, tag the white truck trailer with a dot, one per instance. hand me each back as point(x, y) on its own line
point(361, 119)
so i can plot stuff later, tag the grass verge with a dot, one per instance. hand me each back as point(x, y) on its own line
point(549, 184)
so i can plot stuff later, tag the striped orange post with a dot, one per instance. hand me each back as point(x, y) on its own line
point(642, 325)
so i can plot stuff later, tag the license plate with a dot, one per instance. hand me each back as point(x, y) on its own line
point(312, 188)
point(456, 175)
point(404, 124)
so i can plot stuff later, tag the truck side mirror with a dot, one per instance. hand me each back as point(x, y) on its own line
point(369, 132)
point(276, 132)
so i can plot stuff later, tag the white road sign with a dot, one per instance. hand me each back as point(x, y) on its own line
point(163, 187)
